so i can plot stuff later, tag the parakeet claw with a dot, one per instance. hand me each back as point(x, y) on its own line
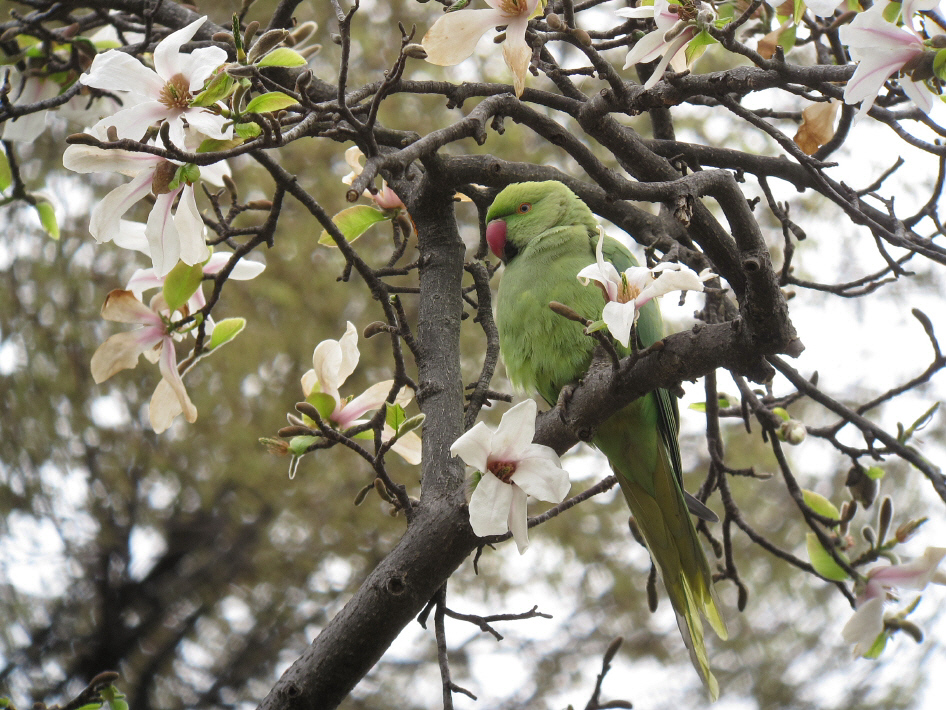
point(561, 404)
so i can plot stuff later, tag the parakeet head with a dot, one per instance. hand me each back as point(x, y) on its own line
point(525, 210)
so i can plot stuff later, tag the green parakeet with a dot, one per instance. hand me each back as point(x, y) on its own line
point(545, 235)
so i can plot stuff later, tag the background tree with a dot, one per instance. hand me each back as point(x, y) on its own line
point(191, 564)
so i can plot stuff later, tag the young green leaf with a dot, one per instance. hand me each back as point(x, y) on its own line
point(875, 473)
point(821, 505)
point(247, 130)
point(181, 284)
point(6, 176)
point(352, 223)
point(698, 45)
point(324, 403)
point(299, 444)
point(225, 331)
point(220, 87)
point(282, 57)
point(394, 415)
point(823, 563)
point(272, 101)
point(47, 217)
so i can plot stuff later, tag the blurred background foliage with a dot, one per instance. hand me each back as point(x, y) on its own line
point(193, 565)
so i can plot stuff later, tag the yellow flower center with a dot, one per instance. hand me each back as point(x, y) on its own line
point(176, 93)
point(513, 8)
point(627, 292)
point(503, 470)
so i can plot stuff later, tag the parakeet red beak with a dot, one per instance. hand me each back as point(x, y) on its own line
point(496, 237)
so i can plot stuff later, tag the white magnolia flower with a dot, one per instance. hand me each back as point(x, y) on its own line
point(455, 35)
point(155, 342)
point(513, 468)
point(881, 50)
point(146, 279)
point(163, 93)
point(627, 293)
point(27, 128)
point(332, 362)
point(174, 232)
point(675, 30)
point(867, 624)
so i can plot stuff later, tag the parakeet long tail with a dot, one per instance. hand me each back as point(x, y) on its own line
point(644, 468)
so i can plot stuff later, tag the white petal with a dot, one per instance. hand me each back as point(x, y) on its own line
point(372, 398)
point(454, 35)
point(200, 64)
point(350, 354)
point(918, 92)
point(683, 279)
point(822, 8)
point(119, 71)
point(162, 235)
point(134, 122)
point(168, 60)
point(190, 229)
point(619, 317)
point(214, 173)
point(409, 446)
point(515, 432)
point(518, 519)
point(121, 351)
point(143, 280)
point(105, 223)
point(517, 53)
point(474, 447)
point(169, 398)
point(863, 628)
point(90, 159)
point(647, 49)
point(209, 124)
point(131, 235)
point(490, 505)
point(639, 12)
point(540, 474)
point(123, 307)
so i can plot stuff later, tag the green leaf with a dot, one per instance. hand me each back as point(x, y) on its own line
point(181, 284)
point(875, 473)
point(220, 86)
point(272, 101)
point(799, 11)
point(878, 646)
point(892, 12)
point(6, 176)
point(352, 223)
point(939, 64)
point(282, 57)
point(786, 39)
point(47, 217)
point(823, 563)
point(298, 444)
point(225, 331)
point(596, 326)
point(325, 403)
point(89, 706)
point(247, 130)
point(821, 505)
point(698, 45)
point(212, 145)
point(701, 406)
point(920, 423)
point(411, 424)
point(394, 415)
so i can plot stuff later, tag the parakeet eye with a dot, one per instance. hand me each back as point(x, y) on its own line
point(524, 207)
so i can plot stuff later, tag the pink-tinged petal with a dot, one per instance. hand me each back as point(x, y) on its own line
point(670, 52)
point(209, 124)
point(678, 59)
point(134, 122)
point(515, 432)
point(350, 354)
point(490, 505)
point(190, 229)
point(106, 220)
point(122, 307)
point(619, 317)
point(518, 519)
point(918, 93)
point(540, 474)
point(372, 398)
point(910, 7)
point(474, 447)
point(455, 35)
point(119, 71)
point(647, 49)
point(162, 235)
point(911, 575)
point(517, 53)
point(131, 235)
point(408, 447)
point(167, 55)
point(169, 398)
point(121, 351)
point(90, 159)
point(243, 270)
point(863, 628)
point(144, 280)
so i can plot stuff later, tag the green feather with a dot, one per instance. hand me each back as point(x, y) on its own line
point(547, 244)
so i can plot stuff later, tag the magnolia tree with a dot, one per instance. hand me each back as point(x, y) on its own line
point(171, 100)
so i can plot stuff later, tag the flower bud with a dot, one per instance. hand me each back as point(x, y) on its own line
point(792, 432)
point(905, 531)
point(163, 177)
point(415, 51)
point(584, 39)
point(269, 40)
point(554, 21)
